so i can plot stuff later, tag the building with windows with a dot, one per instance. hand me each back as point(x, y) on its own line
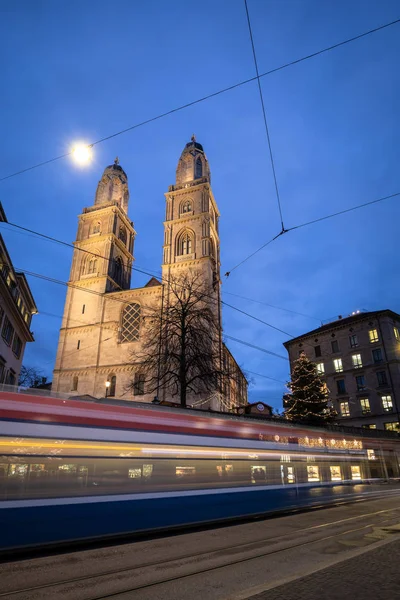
point(16, 309)
point(359, 358)
point(103, 318)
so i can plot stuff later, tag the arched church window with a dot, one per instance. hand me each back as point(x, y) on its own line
point(96, 227)
point(130, 327)
point(212, 249)
point(118, 270)
point(186, 207)
point(92, 266)
point(185, 244)
point(122, 234)
point(74, 387)
point(198, 168)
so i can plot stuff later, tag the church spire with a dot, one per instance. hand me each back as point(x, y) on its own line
point(113, 187)
point(192, 165)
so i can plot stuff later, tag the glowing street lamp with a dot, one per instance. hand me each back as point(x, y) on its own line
point(82, 154)
point(108, 384)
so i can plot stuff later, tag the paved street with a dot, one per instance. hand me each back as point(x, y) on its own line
point(335, 549)
point(373, 574)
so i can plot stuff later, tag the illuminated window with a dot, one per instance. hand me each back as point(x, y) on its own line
point(355, 472)
point(258, 473)
point(135, 473)
point(341, 386)
point(371, 454)
point(373, 335)
point(313, 473)
point(185, 471)
point(369, 426)
point(387, 403)
point(392, 426)
point(353, 341)
point(224, 470)
point(336, 473)
point(290, 475)
point(360, 380)
point(377, 355)
point(344, 409)
point(381, 376)
point(147, 471)
point(130, 326)
point(335, 346)
point(186, 207)
point(338, 365)
point(357, 361)
point(320, 368)
point(317, 350)
point(365, 406)
point(396, 333)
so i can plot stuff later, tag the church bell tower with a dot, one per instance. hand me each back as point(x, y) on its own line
point(191, 237)
point(101, 263)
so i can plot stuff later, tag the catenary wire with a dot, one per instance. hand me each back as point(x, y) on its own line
point(341, 212)
point(271, 156)
point(148, 272)
point(67, 244)
point(67, 284)
point(212, 95)
point(273, 306)
point(229, 337)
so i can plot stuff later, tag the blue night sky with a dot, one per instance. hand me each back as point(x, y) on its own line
point(84, 70)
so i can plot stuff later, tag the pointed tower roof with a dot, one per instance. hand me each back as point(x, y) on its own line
point(113, 187)
point(192, 164)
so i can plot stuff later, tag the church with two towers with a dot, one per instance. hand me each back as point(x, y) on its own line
point(103, 317)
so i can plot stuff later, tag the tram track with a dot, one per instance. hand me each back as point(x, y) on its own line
point(183, 561)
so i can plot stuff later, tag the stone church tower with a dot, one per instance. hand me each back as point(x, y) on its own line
point(101, 327)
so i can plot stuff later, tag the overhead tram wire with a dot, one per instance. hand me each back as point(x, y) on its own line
point(67, 284)
point(132, 268)
point(326, 217)
point(271, 156)
point(148, 272)
point(273, 306)
point(209, 96)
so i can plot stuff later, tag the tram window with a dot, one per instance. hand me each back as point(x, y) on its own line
point(355, 472)
point(37, 471)
point(18, 470)
point(135, 473)
point(224, 470)
point(67, 468)
point(258, 473)
point(3, 470)
point(185, 471)
point(290, 475)
point(147, 471)
point(313, 473)
point(336, 473)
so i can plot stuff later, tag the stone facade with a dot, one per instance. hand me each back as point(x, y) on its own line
point(102, 323)
point(359, 358)
point(16, 309)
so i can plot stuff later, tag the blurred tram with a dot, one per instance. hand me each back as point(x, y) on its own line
point(113, 468)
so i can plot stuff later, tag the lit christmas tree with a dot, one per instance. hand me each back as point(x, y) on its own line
point(309, 398)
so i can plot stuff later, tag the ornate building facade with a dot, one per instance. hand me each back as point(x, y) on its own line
point(103, 317)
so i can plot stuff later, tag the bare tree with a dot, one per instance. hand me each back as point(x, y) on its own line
point(182, 348)
point(31, 377)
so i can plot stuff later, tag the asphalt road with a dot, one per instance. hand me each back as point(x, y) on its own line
point(336, 550)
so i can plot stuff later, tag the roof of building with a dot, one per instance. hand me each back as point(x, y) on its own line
point(343, 322)
point(193, 145)
point(115, 168)
point(152, 282)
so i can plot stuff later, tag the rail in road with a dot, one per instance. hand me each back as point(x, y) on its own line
point(221, 564)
